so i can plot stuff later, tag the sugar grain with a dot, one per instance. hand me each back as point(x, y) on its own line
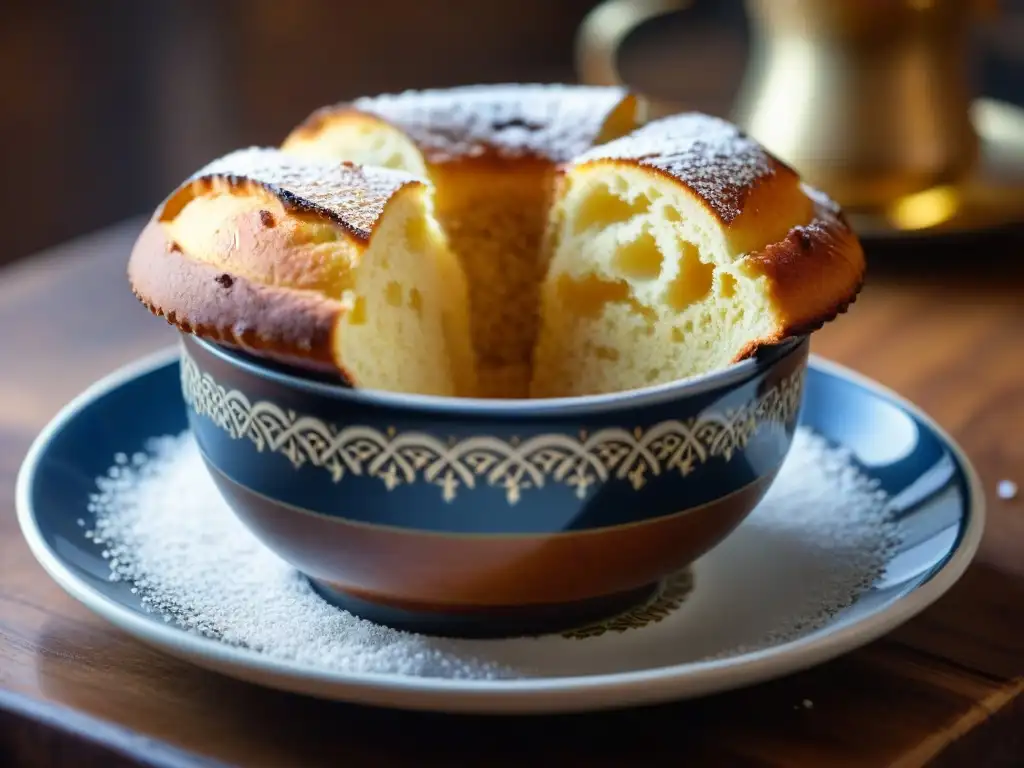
point(1006, 490)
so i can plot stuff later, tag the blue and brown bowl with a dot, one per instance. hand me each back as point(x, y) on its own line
point(490, 518)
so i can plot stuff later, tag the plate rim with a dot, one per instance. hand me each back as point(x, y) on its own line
point(542, 695)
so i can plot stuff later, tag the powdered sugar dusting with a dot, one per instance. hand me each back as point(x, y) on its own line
point(552, 121)
point(352, 195)
point(838, 520)
point(711, 156)
point(164, 529)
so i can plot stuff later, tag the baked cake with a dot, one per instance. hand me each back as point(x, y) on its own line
point(324, 265)
point(491, 152)
point(500, 241)
point(679, 249)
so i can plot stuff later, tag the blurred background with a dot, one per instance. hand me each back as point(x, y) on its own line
point(106, 104)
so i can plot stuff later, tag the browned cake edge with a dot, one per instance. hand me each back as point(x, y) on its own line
point(815, 273)
point(291, 326)
point(280, 322)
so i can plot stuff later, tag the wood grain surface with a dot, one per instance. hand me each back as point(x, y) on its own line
point(943, 326)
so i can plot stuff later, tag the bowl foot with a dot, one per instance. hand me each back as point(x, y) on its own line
point(490, 622)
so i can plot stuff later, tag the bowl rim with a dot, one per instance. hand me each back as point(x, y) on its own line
point(657, 394)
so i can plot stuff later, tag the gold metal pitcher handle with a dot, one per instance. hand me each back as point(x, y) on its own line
point(604, 30)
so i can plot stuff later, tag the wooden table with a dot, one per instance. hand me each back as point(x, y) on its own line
point(946, 688)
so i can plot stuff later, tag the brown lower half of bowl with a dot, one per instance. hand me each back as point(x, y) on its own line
point(487, 585)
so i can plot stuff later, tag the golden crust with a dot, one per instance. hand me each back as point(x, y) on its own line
point(252, 278)
point(552, 122)
point(815, 270)
point(711, 157)
point(814, 274)
point(257, 289)
point(289, 325)
point(351, 196)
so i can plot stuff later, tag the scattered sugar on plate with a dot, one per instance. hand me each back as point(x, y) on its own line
point(164, 528)
point(161, 524)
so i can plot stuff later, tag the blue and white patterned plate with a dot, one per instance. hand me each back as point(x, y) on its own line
point(934, 491)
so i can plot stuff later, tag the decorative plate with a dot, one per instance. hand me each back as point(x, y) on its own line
point(693, 638)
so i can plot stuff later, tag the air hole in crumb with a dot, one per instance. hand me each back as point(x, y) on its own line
point(602, 208)
point(416, 233)
point(416, 300)
point(652, 375)
point(606, 353)
point(727, 286)
point(358, 314)
point(678, 336)
point(314, 233)
point(393, 293)
point(694, 280)
point(672, 214)
point(225, 280)
point(587, 296)
point(639, 259)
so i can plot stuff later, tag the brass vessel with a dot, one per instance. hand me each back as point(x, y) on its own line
point(869, 99)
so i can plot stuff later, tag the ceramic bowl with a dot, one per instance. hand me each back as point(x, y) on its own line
point(490, 518)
